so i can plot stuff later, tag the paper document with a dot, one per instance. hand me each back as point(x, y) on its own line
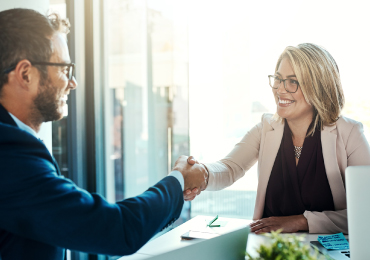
point(336, 242)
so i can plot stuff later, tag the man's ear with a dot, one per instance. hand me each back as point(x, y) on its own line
point(24, 73)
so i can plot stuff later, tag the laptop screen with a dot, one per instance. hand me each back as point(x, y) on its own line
point(231, 245)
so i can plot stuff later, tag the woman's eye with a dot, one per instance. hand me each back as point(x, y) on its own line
point(294, 81)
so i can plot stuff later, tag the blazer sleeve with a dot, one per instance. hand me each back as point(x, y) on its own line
point(358, 153)
point(329, 222)
point(39, 205)
point(225, 172)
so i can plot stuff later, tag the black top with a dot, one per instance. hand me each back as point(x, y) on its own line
point(292, 189)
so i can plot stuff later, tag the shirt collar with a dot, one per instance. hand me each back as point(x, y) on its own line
point(23, 126)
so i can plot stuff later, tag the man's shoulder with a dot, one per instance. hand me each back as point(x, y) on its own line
point(22, 155)
point(11, 133)
point(15, 140)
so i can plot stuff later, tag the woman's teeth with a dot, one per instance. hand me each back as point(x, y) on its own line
point(284, 101)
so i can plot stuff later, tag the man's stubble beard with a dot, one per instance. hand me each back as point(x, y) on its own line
point(46, 102)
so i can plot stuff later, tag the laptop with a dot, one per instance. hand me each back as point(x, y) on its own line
point(231, 246)
point(358, 210)
point(334, 254)
point(358, 206)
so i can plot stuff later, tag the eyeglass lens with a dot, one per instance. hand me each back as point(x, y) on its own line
point(290, 85)
point(71, 72)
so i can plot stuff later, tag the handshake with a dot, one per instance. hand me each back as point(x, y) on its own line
point(195, 176)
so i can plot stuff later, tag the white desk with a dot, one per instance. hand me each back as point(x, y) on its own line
point(171, 240)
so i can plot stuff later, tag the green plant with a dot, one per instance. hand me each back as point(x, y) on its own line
point(287, 247)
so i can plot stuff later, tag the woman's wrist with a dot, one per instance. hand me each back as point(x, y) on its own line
point(207, 174)
point(303, 223)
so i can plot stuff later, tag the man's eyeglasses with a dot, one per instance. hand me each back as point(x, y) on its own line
point(290, 85)
point(70, 67)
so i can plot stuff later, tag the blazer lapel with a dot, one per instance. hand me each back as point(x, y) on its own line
point(53, 159)
point(329, 151)
point(270, 148)
point(56, 165)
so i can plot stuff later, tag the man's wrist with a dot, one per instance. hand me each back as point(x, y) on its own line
point(178, 175)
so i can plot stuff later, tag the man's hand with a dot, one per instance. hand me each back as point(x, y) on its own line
point(195, 176)
point(289, 224)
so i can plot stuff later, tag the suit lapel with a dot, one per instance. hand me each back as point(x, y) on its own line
point(52, 157)
point(270, 148)
point(56, 165)
point(329, 151)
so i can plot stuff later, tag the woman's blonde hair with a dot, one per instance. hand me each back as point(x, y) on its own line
point(319, 80)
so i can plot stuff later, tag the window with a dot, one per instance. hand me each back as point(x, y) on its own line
point(59, 128)
point(146, 89)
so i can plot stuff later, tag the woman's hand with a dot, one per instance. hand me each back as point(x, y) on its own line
point(189, 195)
point(289, 224)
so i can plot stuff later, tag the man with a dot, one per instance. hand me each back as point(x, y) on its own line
point(41, 212)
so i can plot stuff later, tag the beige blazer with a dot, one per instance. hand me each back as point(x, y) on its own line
point(343, 144)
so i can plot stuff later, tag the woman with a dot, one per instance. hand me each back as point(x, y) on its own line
point(302, 150)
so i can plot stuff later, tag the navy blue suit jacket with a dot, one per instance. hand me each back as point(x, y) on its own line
point(42, 213)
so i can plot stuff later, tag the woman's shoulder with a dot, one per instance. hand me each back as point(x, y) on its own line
point(347, 122)
point(347, 125)
point(271, 120)
point(267, 117)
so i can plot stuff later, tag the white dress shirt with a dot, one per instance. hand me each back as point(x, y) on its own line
point(23, 126)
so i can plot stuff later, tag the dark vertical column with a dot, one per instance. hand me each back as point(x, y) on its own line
point(94, 97)
point(76, 126)
point(94, 116)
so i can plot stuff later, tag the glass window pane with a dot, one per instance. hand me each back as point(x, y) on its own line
point(59, 128)
point(147, 94)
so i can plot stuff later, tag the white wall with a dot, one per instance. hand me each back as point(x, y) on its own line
point(42, 6)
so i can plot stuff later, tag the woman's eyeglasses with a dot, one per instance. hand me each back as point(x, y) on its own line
point(290, 85)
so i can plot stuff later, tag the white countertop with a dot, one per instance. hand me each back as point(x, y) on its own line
point(172, 239)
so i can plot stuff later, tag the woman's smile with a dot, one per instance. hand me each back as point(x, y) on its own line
point(285, 102)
